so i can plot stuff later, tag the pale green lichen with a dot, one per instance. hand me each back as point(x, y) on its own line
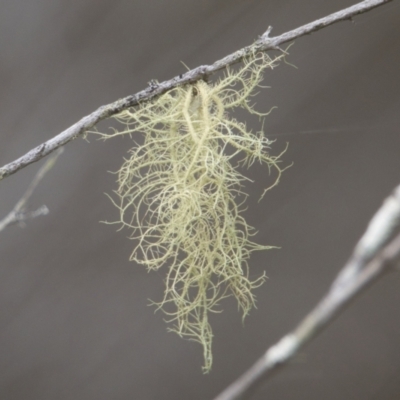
point(178, 193)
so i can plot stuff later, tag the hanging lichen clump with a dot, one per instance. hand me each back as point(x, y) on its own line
point(178, 193)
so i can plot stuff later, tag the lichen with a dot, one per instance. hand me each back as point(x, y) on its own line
point(181, 196)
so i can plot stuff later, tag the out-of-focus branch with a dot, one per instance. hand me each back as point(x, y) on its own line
point(376, 253)
point(154, 89)
point(19, 213)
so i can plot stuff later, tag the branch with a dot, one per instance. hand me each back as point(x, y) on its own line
point(376, 253)
point(19, 213)
point(154, 89)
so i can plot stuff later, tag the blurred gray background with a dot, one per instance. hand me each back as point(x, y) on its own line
point(74, 316)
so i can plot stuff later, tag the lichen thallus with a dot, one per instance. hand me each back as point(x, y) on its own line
point(178, 194)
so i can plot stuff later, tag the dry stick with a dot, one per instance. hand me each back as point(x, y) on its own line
point(19, 213)
point(264, 43)
point(371, 258)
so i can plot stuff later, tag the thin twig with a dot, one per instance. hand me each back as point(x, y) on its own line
point(372, 257)
point(19, 213)
point(264, 43)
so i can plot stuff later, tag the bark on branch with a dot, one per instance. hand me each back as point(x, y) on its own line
point(377, 252)
point(19, 214)
point(264, 43)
